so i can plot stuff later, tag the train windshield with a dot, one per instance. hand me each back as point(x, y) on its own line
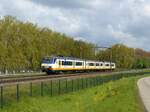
point(49, 60)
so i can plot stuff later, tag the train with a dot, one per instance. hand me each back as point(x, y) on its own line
point(58, 64)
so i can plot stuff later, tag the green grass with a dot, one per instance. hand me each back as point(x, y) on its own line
point(117, 96)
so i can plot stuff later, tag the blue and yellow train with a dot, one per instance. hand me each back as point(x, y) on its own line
point(63, 64)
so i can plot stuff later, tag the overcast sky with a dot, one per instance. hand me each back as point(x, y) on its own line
point(104, 22)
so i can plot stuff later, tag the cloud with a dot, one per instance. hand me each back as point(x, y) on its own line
point(62, 3)
point(104, 22)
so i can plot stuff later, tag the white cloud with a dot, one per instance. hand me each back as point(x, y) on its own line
point(103, 22)
point(147, 10)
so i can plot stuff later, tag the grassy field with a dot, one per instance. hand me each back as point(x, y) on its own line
point(117, 96)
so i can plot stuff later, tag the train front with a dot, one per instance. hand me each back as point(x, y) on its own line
point(47, 64)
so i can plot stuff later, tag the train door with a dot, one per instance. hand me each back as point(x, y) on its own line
point(74, 64)
point(85, 64)
point(60, 64)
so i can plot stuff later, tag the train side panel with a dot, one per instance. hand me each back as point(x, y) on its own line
point(57, 64)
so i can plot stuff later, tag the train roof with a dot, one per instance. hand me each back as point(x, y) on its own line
point(73, 58)
point(69, 58)
point(62, 57)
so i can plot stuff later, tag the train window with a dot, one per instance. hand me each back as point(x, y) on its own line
point(48, 60)
point(54, 60)
point(107, 64)
point(97, 64)
point(112, 65)
point(91, 64)
point(79, 63)
point(68, 63)
point(59, 62)
point(101, 64)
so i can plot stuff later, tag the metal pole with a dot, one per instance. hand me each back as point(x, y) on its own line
point(51, 87)
point(2, 101)
point(78, 84)
point(98, 80)
point(72, 85)
point(86, 83)
point(59, 86)
point(42, 88)
point(17, 92)
point(89, 82)
point(95, 81)
point(31, 89)
point(82, 83)
point(66, 85)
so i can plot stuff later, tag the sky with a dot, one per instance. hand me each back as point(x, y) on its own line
point(103, 22)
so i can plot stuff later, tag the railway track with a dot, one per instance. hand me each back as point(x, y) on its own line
point(18, 79)
point(21, 76)
point(6, 80)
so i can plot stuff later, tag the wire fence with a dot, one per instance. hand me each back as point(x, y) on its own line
point(20, 91)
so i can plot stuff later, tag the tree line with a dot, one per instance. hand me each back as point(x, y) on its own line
point(24, 44)
point(125, 57)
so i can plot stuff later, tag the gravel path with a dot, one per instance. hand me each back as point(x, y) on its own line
point(144, 91)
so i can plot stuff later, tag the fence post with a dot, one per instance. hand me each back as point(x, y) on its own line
point(17, 92)
point(72, 85)
point(51, 87)
point(59, 86)
point(102, 80)
point(2, 101)
point(41, 88)
point(66, 85)
point(78, 80)
point(99, 81)
point(113, 78)
point(30, 88)
point(86, 83)
point(82, 83)
point(89, 82)
point(95, 81)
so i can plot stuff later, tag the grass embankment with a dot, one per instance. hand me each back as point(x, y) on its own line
point(117, 96)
